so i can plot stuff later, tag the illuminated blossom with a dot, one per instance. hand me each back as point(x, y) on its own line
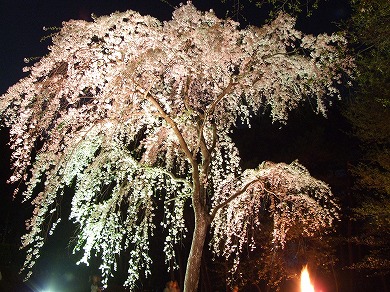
point(127, 109)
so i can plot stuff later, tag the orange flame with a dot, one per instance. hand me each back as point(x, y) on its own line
point(306, 285)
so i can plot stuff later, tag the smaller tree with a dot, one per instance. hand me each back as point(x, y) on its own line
point(271, 266)
point(128, 110)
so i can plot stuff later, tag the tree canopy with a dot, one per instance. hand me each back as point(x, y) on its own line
point(369, 115)
point(127, 111)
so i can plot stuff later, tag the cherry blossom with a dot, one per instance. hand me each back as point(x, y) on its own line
point(127, 110)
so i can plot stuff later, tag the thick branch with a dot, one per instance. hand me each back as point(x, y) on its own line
point(227, 90)
point(206, 153)
point(172, 123)
point(201, 140)
point(231, 198)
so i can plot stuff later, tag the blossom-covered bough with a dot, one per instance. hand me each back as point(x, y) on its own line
point(127, 109)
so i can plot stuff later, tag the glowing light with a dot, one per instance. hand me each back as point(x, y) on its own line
point(306, 285)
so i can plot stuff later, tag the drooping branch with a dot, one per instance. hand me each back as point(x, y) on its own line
point(231, 198)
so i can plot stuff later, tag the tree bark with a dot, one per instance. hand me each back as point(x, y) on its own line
point(191, 280)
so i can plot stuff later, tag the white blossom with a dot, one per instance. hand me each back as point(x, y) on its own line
point(127, 109)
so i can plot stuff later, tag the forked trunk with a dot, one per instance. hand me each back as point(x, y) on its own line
point(191, 280)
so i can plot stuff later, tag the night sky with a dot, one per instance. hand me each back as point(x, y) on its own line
point(21, 29)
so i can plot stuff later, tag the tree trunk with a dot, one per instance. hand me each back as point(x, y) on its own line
point(191, 280)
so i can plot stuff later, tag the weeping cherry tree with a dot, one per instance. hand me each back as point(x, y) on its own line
point(127, 110)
